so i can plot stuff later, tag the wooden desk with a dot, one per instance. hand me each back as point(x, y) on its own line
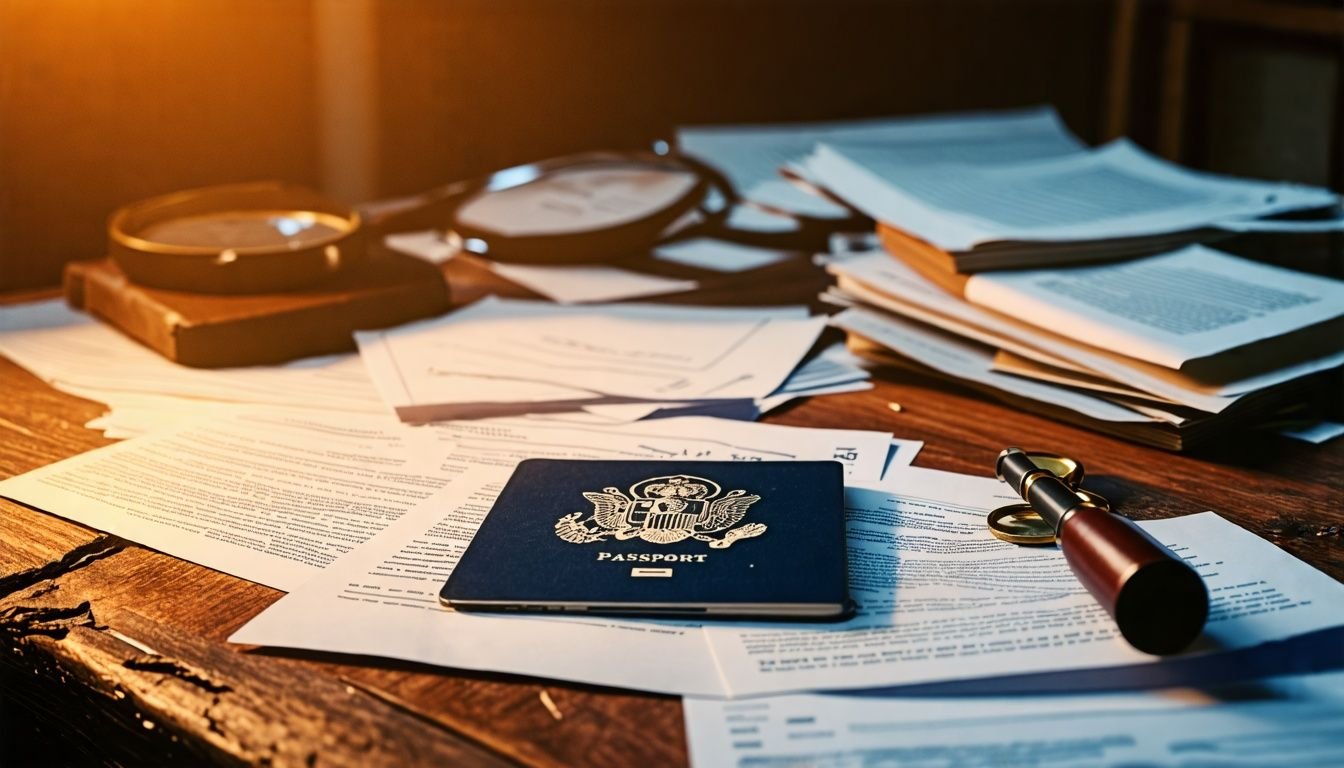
point(79, 610)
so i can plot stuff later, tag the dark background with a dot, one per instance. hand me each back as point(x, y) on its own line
point(103, 102)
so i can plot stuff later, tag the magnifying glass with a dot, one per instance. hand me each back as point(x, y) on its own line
point(1020, 524)
point(236, 238)
point(591, 207)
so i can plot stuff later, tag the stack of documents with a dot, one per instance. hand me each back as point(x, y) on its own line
point(1170, 349)
point(757, 158)
point(1005, 192)
point(507, 357)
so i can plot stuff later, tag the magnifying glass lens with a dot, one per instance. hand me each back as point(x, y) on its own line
point(577, 200)
point(242, 229)
point(1020, 524)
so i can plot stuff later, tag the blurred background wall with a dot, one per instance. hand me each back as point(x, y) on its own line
point(106, 101)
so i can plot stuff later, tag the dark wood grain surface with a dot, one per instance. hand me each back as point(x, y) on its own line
point(115, 652)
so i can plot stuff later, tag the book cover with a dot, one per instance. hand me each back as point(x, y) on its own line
point(760, 539)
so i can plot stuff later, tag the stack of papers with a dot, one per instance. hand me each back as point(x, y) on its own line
point(502, 357)
point(752, 156)
point(1169, 349)
point(988, 206)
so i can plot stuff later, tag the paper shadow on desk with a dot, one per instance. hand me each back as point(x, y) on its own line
point(1203, 666)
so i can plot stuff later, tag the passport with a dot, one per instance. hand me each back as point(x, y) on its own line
point(712, 539)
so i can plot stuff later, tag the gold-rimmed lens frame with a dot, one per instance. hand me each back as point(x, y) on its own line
point(1020, 524)
point(258, 237)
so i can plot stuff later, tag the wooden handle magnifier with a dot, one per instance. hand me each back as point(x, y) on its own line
point(1158, 601)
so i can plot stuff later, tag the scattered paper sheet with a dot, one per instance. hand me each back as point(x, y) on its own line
point(268, 497)
point(502, 356)
point(427, 245)
point(1285, 721)
point(505, 442)
point(74, 353)
point(745, 217)
point(720, 255)
point(586, 284)
point(783, 397)
point(902, 454)
point(785, 195)
point(833, 366)
point(274, 495)
point(922, 568)
point(1167, 309)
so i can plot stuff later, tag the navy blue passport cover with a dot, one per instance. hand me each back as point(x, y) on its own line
point(624, 536)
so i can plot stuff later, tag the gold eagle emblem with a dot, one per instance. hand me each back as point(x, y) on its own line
point(663, 510)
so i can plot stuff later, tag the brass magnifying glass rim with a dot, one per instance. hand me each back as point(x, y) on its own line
point(1028, 519)
point(225, 268)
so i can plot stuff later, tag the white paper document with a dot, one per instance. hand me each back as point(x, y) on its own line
point(274, 495)
point(269, 497)
point(74, 353)
point(719, 255)
point(426, 245)
point(587, 284)
point(1112, 192)
point(1167, 309)
point(500, 357)
point(505, 442)
point(752, 219)
point(1281, 721)
point(939, 599)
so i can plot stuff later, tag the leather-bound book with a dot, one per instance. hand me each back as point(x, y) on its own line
point(218, 330)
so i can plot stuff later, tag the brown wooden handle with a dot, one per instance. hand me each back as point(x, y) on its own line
point(1157, 600)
